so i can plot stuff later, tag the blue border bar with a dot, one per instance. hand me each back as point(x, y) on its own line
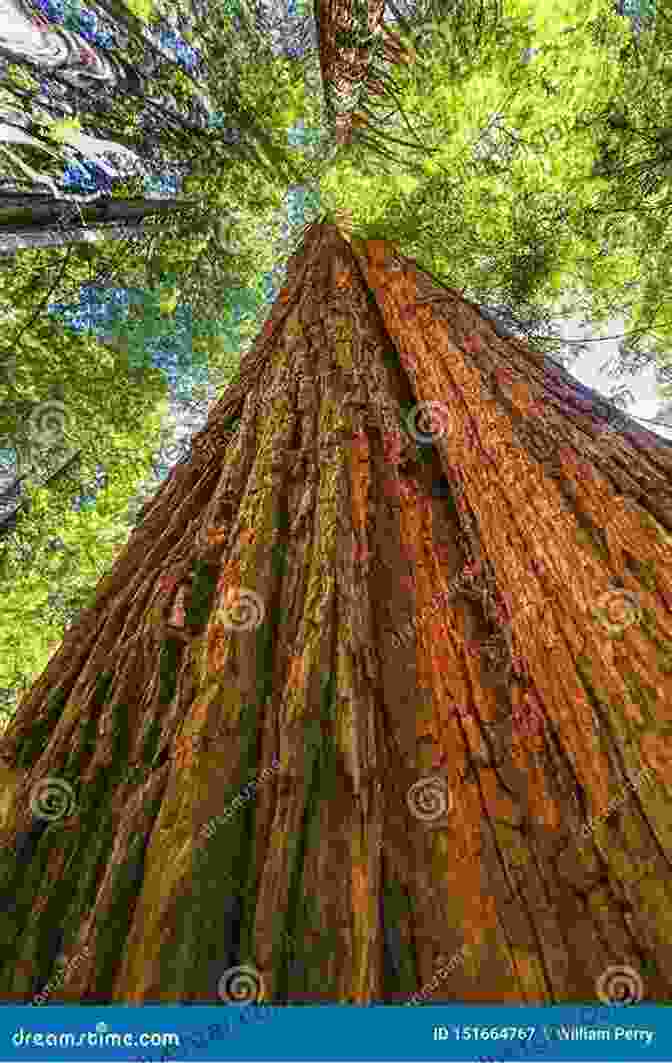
point(484, 1033)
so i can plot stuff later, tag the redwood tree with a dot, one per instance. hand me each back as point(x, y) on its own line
point(415, 584)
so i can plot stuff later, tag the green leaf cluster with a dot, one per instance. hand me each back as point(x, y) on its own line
point(494, 189)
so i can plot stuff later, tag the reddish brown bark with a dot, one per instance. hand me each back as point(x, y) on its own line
point(438, 662)
point(348, 70)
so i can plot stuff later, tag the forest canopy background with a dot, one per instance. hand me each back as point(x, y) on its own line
point(523, 156)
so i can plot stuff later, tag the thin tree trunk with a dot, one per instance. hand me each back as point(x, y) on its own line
point(413, 584)
point(10, 243)
point(347, 70)
point(46, 222)
point(49, 212)
point(8, 522)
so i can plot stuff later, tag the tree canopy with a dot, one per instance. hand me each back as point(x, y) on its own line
point(98, 330)
point(479, 158)
point(493, 186)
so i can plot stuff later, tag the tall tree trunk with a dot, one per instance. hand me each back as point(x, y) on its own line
point(42, 221)
point(49, 211)
point(437, 663)
point(10, 243)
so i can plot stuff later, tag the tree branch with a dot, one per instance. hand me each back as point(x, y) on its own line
point(24, 503)
point(15, 339)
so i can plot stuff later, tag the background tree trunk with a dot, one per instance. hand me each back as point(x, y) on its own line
point(47, 211)
point(41, 221)
point(10, 243)
point(436, 662)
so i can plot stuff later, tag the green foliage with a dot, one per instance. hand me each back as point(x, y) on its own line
point(34, 744)
point(551, 210)
point(168, 677)
point(168, 661)
point(204, 583)
point(106, 418)
point(103, 683)
point(509, 221)
point(142, 9)
point(120, 735)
